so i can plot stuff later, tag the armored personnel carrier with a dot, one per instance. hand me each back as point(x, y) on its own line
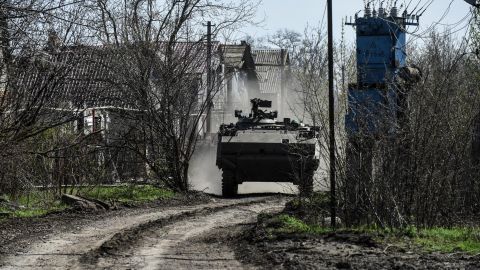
point(259, 149)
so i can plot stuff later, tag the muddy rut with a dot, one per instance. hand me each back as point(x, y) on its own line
point(167, 239)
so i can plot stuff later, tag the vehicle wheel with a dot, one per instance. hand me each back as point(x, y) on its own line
point(229, 186)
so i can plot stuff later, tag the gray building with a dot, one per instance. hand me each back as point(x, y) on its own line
point(83, 93)
point(274, 77)
point(238, 82)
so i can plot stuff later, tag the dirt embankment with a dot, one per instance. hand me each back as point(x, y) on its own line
point(155, 238)
point(258, 246)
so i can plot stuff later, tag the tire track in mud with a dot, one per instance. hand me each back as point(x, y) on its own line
point(88, 246)
point(182, 244)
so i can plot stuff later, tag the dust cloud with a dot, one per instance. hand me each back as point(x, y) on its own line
point(204, 174)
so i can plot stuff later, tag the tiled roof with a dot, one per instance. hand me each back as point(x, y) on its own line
point(80, 77)
point(270, 79)
point(271, 57)
point(97, 77)
point(233, 55)
point(194, 54)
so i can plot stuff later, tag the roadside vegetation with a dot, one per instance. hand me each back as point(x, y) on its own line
point(44, 201)
point(464, 239)
point(299, 219)
point(31, 204)
point(447, 240)
point(31, 210)
point(126, 194)
point(422, 191)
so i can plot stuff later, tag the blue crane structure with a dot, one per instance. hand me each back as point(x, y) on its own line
point(377, 101)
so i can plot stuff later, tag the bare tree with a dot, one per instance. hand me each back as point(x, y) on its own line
point(161, 52)
point(422, 174)
point(25, 107)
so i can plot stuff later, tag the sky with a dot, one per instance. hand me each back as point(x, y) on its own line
point(296, 14)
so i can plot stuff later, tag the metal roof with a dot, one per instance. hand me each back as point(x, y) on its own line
point(78, 78)
point(97, 76)
point(269, 79)
point(273, 57)
point(233, 55)
point(270, 65)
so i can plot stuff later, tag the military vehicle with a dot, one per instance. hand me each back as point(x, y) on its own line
point(259, 149)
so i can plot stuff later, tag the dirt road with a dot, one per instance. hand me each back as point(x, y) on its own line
point(167, 239)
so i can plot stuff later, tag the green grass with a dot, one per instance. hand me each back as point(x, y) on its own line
point(41, 202)
point(445, 240)
point(290, 224)
point(127, 194)
point(34, 211)
point(35, 198)
point(33, 204)
point(449, 239)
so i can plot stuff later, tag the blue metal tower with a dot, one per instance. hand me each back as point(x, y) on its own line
point(376, 102)
point(381, 54)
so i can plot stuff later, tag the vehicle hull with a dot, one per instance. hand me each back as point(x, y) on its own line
point(267, 162)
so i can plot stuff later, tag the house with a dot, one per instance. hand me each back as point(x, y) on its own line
point(94, 91)
point(80, 89)
point(238, 82)
point(274, 77)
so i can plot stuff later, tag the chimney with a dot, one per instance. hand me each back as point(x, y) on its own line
point(283, 53)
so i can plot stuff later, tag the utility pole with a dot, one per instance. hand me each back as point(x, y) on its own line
point(331, 114)
point(209, 77)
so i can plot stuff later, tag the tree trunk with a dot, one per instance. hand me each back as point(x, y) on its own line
point(4, 51)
